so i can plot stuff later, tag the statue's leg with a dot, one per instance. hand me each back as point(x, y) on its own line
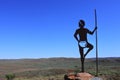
point(81, 53)
point(90, 47)
point(82, 58)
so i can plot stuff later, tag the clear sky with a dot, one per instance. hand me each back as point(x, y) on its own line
point(45, 28)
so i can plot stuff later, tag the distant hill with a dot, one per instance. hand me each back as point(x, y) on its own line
point(19, 65)
point(60, 65)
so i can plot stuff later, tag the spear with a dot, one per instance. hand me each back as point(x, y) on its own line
point(96, 44)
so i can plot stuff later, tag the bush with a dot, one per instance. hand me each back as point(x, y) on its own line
point(10, 76)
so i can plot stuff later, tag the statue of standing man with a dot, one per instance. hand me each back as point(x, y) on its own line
point(81, 37)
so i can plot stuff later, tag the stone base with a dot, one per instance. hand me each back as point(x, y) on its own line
point(79, 76)
point(84, 76)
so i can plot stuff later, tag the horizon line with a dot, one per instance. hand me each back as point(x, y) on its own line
point(51, 58)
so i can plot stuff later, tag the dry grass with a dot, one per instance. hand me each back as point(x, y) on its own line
point(55, 68)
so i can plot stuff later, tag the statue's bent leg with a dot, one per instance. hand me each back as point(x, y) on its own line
point(90, 47)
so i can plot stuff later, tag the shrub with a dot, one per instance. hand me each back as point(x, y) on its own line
point(10, 76)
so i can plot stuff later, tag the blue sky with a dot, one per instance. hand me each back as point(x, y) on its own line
point(45, 28)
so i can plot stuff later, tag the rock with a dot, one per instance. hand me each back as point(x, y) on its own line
point(78, 76)
point(84, 76)
point(96, 78)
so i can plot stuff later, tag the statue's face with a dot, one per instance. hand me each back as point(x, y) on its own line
point(81, 24)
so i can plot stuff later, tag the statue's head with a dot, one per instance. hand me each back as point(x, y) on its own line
point(81, 23)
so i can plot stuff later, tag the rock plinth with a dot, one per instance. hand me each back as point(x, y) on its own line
point(84, 76)
point(79, 76)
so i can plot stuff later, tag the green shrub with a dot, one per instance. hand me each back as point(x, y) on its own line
point(10, 76)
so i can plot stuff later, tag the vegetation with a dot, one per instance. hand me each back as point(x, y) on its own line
point(10, 76)
point(56, 68)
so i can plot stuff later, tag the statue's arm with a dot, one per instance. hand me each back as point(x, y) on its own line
point(75, 35)
point(92, 32)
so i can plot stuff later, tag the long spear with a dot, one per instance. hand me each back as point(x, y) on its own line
point(96, 44)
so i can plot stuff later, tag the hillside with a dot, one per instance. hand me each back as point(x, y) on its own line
point(47, 66)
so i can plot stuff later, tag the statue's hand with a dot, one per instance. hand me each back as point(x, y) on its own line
point(95, 27)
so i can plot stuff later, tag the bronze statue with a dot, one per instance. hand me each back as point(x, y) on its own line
point(81, 37)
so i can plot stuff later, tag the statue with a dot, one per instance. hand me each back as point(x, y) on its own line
point(81, 37)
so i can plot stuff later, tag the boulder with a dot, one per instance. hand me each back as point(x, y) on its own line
point(78, 76)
